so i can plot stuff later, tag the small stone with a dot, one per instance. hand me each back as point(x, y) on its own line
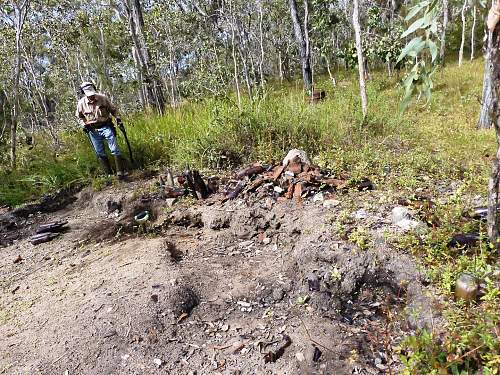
point(170, 201)
point(125, 357)
point(318, 197)
point(300, 357)
point(400, 213)
point(278, 189)
point(329, 203)
point(266, 241)
point(296, 155)
point(244, 304)
point(157, 362)
point(225, 328)
point(360, 214)
point(278, 294)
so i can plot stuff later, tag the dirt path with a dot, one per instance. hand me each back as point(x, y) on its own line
point(234, 288)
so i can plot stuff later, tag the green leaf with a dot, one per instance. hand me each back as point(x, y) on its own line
point(412, 48)
point(418, 24)
point(414, 10)
point(433, 48)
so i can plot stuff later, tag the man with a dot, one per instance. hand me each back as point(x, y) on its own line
point(94, 112)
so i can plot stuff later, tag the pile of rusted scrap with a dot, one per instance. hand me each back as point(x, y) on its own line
point(48, 231)
point(296, 177)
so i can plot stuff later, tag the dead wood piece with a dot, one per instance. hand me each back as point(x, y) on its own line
point(335, 183)
point(173, 192)
point(257, 183)
point(278, 171)
point(297, 192)
point(274, 356)
point(290, 191)
point(200, 185)
point(237, 190)
point(189, 181)
point(43, 237)
point(54, 226)
point(249, 171)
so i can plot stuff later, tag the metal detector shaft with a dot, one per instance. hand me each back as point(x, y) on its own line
point(122, 129)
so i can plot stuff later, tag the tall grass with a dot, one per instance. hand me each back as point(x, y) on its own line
point(439, 140)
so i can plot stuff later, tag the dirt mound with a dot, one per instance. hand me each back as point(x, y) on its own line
point(250, 285)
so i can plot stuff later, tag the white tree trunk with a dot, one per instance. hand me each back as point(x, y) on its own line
point(361, 63)
point(473, 32)
point(20, 10)
point(461, 53)
point(442, 50)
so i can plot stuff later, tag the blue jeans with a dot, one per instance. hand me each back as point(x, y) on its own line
point(97, 137)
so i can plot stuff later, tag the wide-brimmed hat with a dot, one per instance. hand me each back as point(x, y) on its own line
point(88, 88)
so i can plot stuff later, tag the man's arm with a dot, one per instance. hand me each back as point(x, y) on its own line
point(79, 115)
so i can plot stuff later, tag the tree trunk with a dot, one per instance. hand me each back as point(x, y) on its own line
point(473, 32)
point(235, 61)
point(442, 50)
point(152, 91)
point(361, 64)
point(261, 61)
point(301, 38)
point(20, 9)
point(462, 43)
point(487, 99)
point(495, 175)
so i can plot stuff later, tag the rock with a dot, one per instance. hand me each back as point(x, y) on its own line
point(466, 287)
point(278, 189)
point(330, 203)
point(318, 197)
point(412, 225)
point(266, 241)
point(296, 155)
point(170, 201)
point(400, 213)
point(300, 357)
point(360, 214)
point(278, 294)
point(244, 303)
point(157, 361)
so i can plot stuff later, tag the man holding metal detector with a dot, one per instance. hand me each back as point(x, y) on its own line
point(94, 113)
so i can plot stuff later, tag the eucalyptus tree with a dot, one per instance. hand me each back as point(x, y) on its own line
point(361, 63)
point(301, 31)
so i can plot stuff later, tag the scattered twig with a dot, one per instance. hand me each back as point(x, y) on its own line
point(129, 326)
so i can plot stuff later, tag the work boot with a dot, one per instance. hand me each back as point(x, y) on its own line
point(120, 168)
point(104, 161)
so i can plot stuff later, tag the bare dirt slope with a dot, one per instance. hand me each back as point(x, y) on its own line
point(241, 287)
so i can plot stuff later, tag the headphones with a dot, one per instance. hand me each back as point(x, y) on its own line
point(85, 85)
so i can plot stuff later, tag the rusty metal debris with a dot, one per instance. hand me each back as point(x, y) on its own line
point(273, 356)
point(54, 226)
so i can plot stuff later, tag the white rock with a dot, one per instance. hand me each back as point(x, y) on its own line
point(157, 362)
point(296, 155)
point(412, 225)
point(266, 241)
point(244, 303)
point(170, 201)
point(329, 203)
point(400, 213)
point(360, 214)
point(318, 197)
point(125, 357)
point(278, 189)
point(300, 357)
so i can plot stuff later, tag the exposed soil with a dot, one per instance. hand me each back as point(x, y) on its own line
point(248, 286)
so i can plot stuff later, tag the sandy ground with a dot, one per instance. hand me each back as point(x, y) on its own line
point(260, 287)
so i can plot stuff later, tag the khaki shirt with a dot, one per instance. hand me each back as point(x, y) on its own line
point(99, 111)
